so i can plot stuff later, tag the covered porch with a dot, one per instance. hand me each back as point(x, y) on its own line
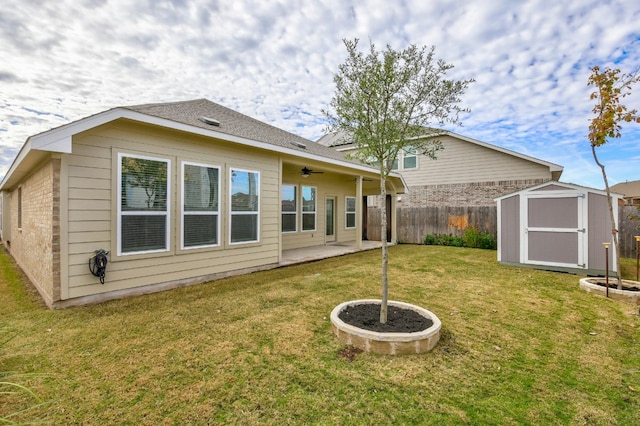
point(324, 209)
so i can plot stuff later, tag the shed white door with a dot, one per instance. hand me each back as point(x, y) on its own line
point(554, 231)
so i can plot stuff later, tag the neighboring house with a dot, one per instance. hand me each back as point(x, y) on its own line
point(178, 193)
point(467, 172)
point(630, 190)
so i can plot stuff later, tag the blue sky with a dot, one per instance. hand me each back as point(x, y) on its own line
point(65, 60)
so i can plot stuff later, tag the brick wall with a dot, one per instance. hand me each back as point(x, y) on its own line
point(464, 194)
point(36, 244)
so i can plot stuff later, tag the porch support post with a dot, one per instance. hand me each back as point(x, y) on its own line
point(391, 189)
point(359, 213)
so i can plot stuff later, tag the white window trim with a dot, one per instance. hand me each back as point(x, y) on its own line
point(315, 209)
point(166, 213)
point(242, 213)
point(203, 213)
point(413, 154)
point(347, 212)
point(294, 213)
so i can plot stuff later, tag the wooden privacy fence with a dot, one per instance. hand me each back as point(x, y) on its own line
point(416, 222)
point(628, 228)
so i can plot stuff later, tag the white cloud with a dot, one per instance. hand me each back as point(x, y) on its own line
point(275, 61)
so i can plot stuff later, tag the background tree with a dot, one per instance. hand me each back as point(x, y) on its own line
point(611, 87)
point(385, 102)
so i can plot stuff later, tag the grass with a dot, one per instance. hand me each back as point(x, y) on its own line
point(518, 346)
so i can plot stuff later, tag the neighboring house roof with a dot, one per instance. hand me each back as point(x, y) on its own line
point(195, 116)
point(334, 139)
point(630, 189)
point(340, 143)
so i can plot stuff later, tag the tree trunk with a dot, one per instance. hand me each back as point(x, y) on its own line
point(614, 231)
point(383, 238)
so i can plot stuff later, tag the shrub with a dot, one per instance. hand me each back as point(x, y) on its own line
point(487, 242)
point(430, 240)
point(471, 238)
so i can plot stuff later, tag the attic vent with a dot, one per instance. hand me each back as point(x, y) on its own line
point(207, 120)
point(298, 144)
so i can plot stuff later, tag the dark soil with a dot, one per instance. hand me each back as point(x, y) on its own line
point(613, 283)
point(349, 352)
point(399, 320)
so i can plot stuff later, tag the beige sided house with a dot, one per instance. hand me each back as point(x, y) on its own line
point(467, 172)
point(630, 190)
point(177, 193)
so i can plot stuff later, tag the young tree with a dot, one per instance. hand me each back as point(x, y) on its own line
point(385, 101)
point(611, 87)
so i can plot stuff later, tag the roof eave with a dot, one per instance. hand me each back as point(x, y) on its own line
point(59, 139)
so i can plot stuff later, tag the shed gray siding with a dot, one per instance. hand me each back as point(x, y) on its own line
point(510, 229)
point(599, 231)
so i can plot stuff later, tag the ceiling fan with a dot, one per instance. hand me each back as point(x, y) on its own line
point(305, 172)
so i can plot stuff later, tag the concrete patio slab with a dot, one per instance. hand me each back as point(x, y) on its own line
point(310, 254)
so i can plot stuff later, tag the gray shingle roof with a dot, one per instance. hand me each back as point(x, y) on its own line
point(235, 124)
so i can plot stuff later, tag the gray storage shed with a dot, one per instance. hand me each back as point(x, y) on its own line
point(556, 226)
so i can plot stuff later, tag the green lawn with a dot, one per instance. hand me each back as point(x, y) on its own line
point(518, 346)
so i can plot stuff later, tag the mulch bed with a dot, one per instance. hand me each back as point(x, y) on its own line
point(399, 320)
point(613, 283)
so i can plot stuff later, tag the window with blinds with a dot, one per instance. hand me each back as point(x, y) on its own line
point(289, 208)
point(350, 212)
point(309, 207)
point(410, 158)
point(244, 206)
point(200, 205)
point(143, 204)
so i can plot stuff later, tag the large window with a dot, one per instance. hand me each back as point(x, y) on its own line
point(289, 208)
point(410, 159)
point(143, 204)
point(309, 207)
point(200, 205)
point(350, 212)
point(244, 206)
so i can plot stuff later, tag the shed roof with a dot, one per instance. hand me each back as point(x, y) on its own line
point(561, 186)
